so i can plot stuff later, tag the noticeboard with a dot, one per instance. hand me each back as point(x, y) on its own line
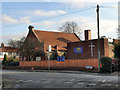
point(78, 50)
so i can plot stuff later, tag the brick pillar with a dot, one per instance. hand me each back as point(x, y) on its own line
point(106, 48)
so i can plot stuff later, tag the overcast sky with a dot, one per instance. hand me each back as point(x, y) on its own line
point(48, 15)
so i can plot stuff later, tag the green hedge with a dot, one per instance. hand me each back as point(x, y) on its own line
point(106, 64)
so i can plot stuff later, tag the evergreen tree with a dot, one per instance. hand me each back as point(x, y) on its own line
point(5, 58)
point(116, 51)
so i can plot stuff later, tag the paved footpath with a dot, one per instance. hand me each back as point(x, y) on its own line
point(58, 79)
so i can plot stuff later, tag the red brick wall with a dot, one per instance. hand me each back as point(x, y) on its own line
point(74, 63)
point(104, 49)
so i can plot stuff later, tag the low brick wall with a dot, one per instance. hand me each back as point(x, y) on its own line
point(73, 64)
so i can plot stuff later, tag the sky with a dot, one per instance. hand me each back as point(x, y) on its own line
point(49, 15)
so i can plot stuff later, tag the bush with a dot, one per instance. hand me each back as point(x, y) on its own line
point(10, 61)
point(106, 64)
point(116, 63)
point(15, 60)
point(53, 56)
point(116, 51)
point(119, 64)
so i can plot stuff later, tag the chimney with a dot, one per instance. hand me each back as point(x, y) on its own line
point(87, 35)
point(30, 28)
point(2, 45)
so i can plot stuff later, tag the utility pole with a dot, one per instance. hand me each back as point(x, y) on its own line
point(49, 50)
point(48, 61)
point(97, 10)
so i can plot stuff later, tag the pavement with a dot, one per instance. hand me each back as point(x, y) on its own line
point(68, 71)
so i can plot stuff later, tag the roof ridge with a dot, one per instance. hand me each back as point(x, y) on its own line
point(52, 31)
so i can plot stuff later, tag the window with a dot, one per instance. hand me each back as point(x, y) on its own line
point(1, 53)
point(38, 58)
point(9, 53)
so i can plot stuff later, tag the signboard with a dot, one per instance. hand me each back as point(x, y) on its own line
point(49, 48)
point(89, 67)
point(60, 58)
point(78, 50)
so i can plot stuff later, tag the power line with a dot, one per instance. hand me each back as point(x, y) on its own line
point(112, 6)
point(68, 13)
point(105, 14)
point(36, 19)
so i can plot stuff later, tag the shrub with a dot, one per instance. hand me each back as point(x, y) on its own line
point(106, 64)
point(116, 51)
point(116, 63)
point(15, 60)
point(10, 61)
point(11, 58)
point(119, 64)
point(53, 56)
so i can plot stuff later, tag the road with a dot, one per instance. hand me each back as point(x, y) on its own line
point(18, 79)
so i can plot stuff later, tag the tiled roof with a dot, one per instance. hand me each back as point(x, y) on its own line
point(8, 49)
point(55, 38)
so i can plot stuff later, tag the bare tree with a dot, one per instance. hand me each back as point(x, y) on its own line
point(16, 43)
point(70, 27)
point(28, 48)
point(12, 43)
point(119, 32)
point(31, 48)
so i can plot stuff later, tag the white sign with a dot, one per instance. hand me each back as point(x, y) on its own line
point(49, 48)
point(91, 46)
point(89, 67)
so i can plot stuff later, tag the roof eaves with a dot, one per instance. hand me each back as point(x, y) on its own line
point(36, 35)
point(77, 36)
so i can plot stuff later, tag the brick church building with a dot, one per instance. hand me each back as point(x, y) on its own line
point(57, 40)
point(89, 47)
point(79, 54)
point(70, 44)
